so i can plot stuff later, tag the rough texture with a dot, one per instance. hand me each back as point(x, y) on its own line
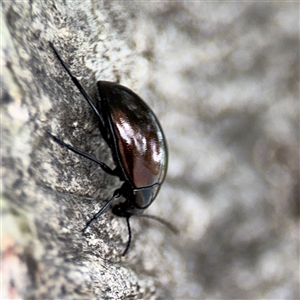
point(223, 79)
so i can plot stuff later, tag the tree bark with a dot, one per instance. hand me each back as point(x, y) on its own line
point(223, 80)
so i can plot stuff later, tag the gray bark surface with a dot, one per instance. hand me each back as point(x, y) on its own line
point(223, 78)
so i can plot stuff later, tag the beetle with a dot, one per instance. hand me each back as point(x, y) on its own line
point(138, 146)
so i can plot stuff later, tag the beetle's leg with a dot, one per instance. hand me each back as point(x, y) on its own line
point(78, 85)
point(103, 209)
point(129, 237)
point(103, 166)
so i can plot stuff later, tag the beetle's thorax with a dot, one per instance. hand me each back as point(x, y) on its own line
point(136, 199)
point(145, 196)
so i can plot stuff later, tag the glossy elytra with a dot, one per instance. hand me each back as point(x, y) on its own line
point(137, 143)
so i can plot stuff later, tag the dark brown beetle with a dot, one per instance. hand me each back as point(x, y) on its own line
point(138, 147)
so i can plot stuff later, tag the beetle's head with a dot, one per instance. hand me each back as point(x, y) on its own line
point(128, 207)
point(122, 210)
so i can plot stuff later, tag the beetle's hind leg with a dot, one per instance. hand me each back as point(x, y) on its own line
point(78, 85)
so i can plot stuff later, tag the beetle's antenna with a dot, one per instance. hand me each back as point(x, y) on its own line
point(102, 210)
point(129, 237)
point(77, 83)
point(103, 166)
point(160, 220)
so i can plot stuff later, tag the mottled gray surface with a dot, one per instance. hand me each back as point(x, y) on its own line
point(223, 79)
